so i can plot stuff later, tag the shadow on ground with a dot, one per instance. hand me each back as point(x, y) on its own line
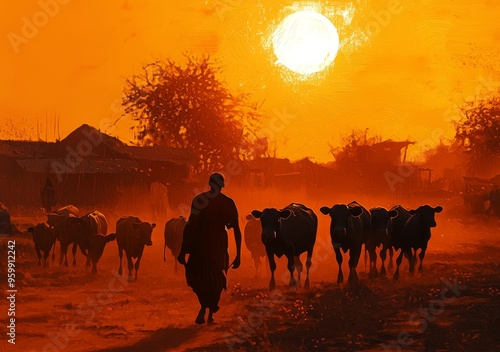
point(161, 340)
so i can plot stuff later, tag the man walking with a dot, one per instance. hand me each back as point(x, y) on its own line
point(205, 240)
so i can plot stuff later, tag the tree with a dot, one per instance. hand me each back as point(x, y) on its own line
point(479, 131)
point(189, 107)
point(353, 148)
point(16, 129)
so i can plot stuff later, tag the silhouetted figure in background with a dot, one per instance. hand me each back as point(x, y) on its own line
point(48, 195)
point(205, 239)
point(494, 207)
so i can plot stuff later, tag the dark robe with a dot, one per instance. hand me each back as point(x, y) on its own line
point(205, 239)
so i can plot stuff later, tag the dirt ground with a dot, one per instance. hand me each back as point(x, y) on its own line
point(454, 305)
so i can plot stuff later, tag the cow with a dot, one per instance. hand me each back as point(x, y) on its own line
point(253, 242)
point(398, 238)
point(44, 238)
point(379, 235)
point(66, 230)
point(416, 235)
point(93, 247)
point(62, 213)
point(132, 235)
point(93, 223)
point(174, 229)
point(349, 226)
point(74, 230)
point(290, 231)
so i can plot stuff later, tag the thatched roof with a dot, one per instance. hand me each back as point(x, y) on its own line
point(101, 154)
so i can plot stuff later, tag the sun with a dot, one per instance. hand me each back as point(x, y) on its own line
point(306, 42)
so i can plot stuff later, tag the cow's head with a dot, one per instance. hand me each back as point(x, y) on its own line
point(270, 221)
point(339, 215)
point(426, 213)
point(96, 244)
point(75, 226)
point(41, 231)
point(380, 218)
point(145, 229)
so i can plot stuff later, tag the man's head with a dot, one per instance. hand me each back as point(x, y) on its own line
point(216, 181)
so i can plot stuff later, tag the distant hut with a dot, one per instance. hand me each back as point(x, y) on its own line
point(87, 167)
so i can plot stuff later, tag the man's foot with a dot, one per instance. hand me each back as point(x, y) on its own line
point(210, 319)
point(200, 319)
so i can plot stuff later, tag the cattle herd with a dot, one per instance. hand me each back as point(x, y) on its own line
point(288, 232)
point(291, 231)
point(89, 233)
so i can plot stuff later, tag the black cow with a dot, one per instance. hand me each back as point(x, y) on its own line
point(73, 230)
point(398, 237)
point(66, 230)
point(348, 230)
point(174, 229)
point(132, 235)
point(379, 235)
point(290, 232)
point(44, 238)
point(416, 235)
point(63, 228)
point(93, 247)
point(93, 223)
point(253, 242)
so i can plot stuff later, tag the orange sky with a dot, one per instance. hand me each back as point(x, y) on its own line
point(399, 75)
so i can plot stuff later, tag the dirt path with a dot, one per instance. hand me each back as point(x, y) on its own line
point(67, 309)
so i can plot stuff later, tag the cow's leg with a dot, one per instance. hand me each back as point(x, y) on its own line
point(39, 255)
point(256, 263)
point(411, 259)
point(422, 255)
point(120, 254)
point(338, 255)
point(62, 253)
point(298, 267)
point(53, 252)
point(46, 258)
point(291, 269)
point(94, 267)
point(200, 318)
point(88, 263)
point(137, 263)
point(272, 266)
point(398, 263)
point(391, 254)
point(130, 267)
point(383, 256)
point(373, 261)
point(73, 250)
point(354, 254)
point(308, 266)
point(175, 265)
point(65, 251)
